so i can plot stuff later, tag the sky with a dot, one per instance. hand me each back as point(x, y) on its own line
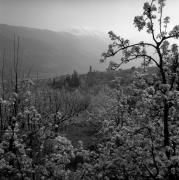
point(57, 15)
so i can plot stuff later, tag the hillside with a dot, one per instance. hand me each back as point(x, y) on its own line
point(55, 53)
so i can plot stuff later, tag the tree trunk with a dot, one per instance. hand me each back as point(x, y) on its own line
point(166, 126)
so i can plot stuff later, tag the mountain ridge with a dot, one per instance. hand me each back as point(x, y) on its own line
point(54, 52)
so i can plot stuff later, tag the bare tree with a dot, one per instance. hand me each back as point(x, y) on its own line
point(2, 73)
point(15, 66)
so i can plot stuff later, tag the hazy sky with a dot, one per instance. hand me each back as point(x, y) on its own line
point(103, 15)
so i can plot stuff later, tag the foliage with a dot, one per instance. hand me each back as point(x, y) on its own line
point(68, 81)
point(137, 133)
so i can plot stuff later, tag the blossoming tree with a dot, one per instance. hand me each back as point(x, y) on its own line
point(166, 59)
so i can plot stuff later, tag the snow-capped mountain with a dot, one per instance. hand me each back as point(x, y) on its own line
point(87, 32)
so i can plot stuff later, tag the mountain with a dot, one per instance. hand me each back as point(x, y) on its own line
point(54, 53)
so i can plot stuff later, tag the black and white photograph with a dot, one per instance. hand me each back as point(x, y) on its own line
point(89, 90)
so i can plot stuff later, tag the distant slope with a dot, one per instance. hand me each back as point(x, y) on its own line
point(49, 52)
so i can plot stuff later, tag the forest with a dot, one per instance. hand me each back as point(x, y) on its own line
point(113, 125)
